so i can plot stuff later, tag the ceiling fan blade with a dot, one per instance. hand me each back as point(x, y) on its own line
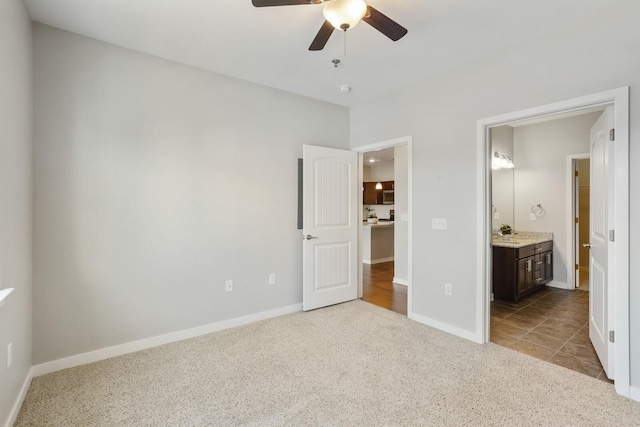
point(265, 3)
point(384, 24)
point(322, 37)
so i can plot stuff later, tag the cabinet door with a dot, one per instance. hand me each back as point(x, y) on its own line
point(370, 194)
point(387, 185)
point(525, 274)
point(548, 266)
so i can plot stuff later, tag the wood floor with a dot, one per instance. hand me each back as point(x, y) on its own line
point(551, 324)
point(378, 287)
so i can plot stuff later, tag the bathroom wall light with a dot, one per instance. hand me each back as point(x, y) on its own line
point(501, 161)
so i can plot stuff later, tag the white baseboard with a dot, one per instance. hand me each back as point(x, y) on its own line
point(132, 347)
point(462, 333)
point(15, 410)
point(559, 285)
point(403, 282)
point(634, 393)
point(377, 261)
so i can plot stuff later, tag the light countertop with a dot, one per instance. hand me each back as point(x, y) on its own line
point(522, 239)
point(379, 224)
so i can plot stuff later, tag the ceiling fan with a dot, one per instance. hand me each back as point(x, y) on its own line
point(343, 15)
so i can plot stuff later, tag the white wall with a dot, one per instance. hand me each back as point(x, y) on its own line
point(154, 183)
point(16, 114)
point(441, 112)
point(541, 152)
point(502, 179)
point(401, 199)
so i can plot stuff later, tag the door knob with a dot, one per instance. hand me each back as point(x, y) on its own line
point(308, 237)
point(587, 245)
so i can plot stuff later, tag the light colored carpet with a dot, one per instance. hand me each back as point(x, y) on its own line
point(350, 364)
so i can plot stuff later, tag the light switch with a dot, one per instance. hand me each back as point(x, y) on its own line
point(404, 217)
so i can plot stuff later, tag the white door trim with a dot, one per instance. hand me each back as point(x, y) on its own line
point(571, 227)
point(619, 271)
point(408, 140)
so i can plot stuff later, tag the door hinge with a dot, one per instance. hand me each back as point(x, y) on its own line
point(612, 135)
point(577, 220)
point(577, 266)
point(612, 336)
point(576, 173)
point(612, 235)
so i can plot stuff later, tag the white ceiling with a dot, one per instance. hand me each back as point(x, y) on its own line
point(378, 156)
point(269, 45)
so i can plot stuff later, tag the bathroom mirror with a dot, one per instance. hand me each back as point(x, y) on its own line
point(502, 180)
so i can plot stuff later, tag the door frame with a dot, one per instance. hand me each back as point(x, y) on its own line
point(619, 271)
point(572, 160)
point(408, 141)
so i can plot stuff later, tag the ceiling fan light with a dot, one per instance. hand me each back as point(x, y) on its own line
point(344, 14)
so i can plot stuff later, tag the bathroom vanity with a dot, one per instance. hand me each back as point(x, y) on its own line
point(521, 265)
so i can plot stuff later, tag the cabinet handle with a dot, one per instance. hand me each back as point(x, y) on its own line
point(529, 265)
point(539, 279)
point(538, 263)
point(548, 258)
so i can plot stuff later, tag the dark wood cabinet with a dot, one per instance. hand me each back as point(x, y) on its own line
point(520, 271)
point(371, 196)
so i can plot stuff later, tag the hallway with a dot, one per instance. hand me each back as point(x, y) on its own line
point(378, 288)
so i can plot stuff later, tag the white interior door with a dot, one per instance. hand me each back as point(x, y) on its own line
point(600, 287)
point(330, 226)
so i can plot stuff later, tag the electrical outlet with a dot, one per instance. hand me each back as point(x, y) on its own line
point(532, 216)
point(447, 288)
point(496, 215)
point(9, 355)
point(439, 223)
point(272, 278)
point(228, 286)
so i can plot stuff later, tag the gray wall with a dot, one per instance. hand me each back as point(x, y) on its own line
point(540, 177)
point(16, 112)
point(154, 183)
point(598, 54)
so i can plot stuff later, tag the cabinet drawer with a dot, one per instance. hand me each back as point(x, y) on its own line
point(525, 252)
point(538, 260)
point(543, 247)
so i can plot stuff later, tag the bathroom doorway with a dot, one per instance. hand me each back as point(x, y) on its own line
point(615, 281)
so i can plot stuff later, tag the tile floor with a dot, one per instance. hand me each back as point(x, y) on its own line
point(550, 324)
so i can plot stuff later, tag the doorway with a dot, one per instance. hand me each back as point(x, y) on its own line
point(549, 320)
point(616, 306)
point(380, 285)
point(580, 177)
point(385, 232)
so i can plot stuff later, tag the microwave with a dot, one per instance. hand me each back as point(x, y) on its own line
point(387, 197)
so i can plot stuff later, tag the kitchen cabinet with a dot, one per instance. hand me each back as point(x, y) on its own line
point(371, 196)
point(518, 271)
